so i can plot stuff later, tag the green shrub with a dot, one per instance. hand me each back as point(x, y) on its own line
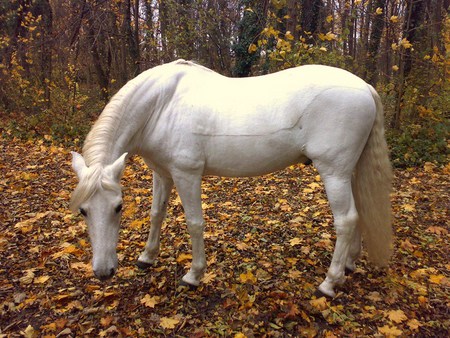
point(417, 144)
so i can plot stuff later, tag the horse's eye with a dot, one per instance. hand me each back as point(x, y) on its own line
point(118, 208)
point(83, 212)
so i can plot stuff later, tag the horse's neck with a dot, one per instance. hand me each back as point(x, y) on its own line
point(111, 137)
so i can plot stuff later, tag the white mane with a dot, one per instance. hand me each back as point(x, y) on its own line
point(101, 137)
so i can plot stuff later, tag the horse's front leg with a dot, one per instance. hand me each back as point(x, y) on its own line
point(340, 196)
point(162, 187)
point(189, 189)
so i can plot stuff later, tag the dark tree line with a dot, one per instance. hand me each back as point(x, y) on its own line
point(57, 53)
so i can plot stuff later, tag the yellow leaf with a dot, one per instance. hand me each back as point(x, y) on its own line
point(252, 48)
point(394, 18)
point(247, 277)
point(395, 68)
point(184, 257)
point(138, 223)
point(208, 277)
point(437, 230)
point(150, 301)
point(30, 332)
point(390, 331)
point(396, 316)
point(405, 43)
point(295, 241)
point(28, 277)
point(330, 36)
point(242, 246)
point(28, 224)
point(379, 11)
point(240, 335)
point(41, 279)
point(329, 18)
point(319, 303)
point(414, 324)
point(437, 279)
point(169, 323)
point(408, 207)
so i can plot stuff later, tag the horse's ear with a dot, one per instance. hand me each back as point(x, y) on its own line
point(78, 163)
point(116, 169)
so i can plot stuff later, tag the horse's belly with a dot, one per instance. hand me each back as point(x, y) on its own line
point(251, 155)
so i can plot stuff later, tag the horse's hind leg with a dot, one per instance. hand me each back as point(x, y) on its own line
point(354, 251)
point(162, 187)
point(340, 196)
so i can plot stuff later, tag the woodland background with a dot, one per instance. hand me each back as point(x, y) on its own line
point(268, 239)
point(62, 60)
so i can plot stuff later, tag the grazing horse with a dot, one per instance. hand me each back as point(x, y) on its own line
point(187, 121)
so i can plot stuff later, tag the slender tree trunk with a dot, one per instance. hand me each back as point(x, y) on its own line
point(311, 13)
point(415, 14)
point(251, 25)
point(374, 42)
point(136, 51)
point(45, 10)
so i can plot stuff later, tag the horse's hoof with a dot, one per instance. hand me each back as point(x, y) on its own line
point(190, 286)
point(348, 271)
point(320, 294)
point(143, 265)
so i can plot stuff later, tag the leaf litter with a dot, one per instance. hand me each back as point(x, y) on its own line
point(268, 240)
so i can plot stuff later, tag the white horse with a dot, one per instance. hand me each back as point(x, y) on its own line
point(187, 121)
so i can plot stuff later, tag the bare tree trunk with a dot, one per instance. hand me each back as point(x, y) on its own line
point(374, 42)
point(415, 14)
point(136, 51)
point(45, 10)
point(311, 12)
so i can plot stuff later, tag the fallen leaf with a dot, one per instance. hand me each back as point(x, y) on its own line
point(150, 301)
point(437, 279)
point(30, 332)
point(28, 277)
point(374, 296)
point(169, 323)
point(295, 241)
point(396, 316)
point(319, 303)
point(408, 207)
point(389, 331)
point(41, 279)
point(248, 277)
point(106, 321)
point(414, 324)
point(437, 230)
point(208, 277)
point(184, 257)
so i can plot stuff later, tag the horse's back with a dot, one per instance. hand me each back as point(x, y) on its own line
point(262, 105)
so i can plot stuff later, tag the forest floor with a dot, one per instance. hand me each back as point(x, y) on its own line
point(268, 240)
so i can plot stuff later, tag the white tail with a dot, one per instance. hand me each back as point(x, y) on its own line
point(372, 185)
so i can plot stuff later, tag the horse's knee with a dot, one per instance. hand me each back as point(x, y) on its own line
point(196, 228)
point(347, 225)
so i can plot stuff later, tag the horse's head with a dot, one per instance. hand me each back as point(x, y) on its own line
point(98, 197)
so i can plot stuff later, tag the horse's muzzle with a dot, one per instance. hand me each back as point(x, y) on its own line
point(105, 276)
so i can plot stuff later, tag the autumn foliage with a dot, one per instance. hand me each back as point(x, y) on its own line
point(268, 240)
